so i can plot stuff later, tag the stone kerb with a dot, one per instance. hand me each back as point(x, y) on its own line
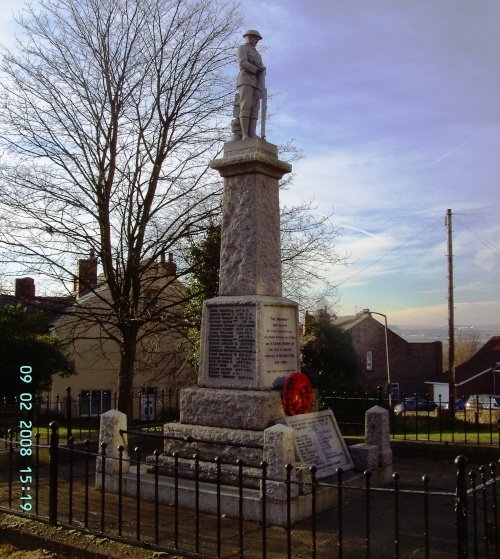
point(364, 456)
point(112, 422)
point(377, 432)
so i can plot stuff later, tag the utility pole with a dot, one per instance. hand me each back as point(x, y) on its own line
point(451, 316)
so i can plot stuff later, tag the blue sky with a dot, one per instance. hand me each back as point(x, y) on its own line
point(396, 107)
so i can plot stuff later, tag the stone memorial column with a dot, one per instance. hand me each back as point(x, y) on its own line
point(249, 333)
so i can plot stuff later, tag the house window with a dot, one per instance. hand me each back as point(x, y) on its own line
point(369, 360)
point(148, 404)
point(94, 402)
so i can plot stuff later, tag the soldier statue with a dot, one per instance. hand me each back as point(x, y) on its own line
point(251, 88)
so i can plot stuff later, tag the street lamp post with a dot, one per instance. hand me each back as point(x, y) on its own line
point(389, 384)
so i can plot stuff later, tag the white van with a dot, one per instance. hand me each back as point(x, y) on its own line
point(483, 401)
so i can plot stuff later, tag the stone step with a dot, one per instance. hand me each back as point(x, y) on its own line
point(211, 442)
point(207, 471)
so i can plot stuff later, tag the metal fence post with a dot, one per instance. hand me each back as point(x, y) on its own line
point(264, 465)
point(70, 486)
point(53, 472)
point(11, 461)
point(493, 468)
point(461, 507)
point(380, 395)
point(69, 412)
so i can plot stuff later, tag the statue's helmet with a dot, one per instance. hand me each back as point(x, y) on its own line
point(254, 33)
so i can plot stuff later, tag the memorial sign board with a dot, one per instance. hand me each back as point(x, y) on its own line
point(231, 343)
point(318, 442)
point(248, 342)
point(279, 337)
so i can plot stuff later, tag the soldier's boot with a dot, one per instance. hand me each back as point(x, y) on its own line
point(245, 125)
point(252, 130)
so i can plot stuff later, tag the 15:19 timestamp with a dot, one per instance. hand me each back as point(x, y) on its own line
point(25, 439)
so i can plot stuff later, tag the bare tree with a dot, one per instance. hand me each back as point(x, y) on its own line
point(308, 253)
point(110, 112)
point(466, 345)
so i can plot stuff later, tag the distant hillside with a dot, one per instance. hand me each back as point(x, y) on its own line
point(426, 334)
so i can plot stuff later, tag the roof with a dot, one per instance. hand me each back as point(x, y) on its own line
point(348, 322)
point(482, 361)
point(48, 304)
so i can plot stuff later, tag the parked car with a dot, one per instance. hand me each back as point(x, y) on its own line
point(414, 404)
point(483, 401)
point(459, 404)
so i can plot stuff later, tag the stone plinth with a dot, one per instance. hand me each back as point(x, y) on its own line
point(377, 432)
point(250, 261)
point(253, 410)
point(248, 342)
point(112, 422)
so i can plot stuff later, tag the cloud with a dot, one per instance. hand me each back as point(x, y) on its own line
point(483, 313)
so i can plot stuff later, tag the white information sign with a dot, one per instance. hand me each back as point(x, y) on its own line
point(319, 442)
point(279, 340)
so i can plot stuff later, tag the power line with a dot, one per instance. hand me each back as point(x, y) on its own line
point(487, 243)
point(485, 213)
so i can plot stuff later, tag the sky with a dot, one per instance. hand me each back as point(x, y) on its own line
point(395, 106)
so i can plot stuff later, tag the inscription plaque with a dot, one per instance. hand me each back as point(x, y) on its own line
point(279, 340)
point(318, 442)
point(248, 342)
point(231, 342)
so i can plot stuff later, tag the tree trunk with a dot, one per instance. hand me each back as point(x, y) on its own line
point(126, 372)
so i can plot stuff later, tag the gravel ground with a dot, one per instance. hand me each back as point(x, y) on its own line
point(22, 538)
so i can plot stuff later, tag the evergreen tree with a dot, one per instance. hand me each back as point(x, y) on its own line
point(329, 358)
point(203, 283)
point(25, 341)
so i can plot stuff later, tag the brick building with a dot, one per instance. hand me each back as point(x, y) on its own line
point(80, 322)
point(481, 373)
point(410, 364)
point(161, 359)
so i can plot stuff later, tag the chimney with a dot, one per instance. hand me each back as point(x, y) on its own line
point(25, 288)
point(87, 274)
point(324, 315)
point(308, 319)
point(170, 267)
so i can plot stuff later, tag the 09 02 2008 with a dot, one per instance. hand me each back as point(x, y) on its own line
point(25, 438)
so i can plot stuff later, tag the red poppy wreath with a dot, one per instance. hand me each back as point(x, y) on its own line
point(296, 396)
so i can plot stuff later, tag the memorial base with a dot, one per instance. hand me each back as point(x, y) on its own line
point(202, 496)
point(209, 443)
point(252, 410)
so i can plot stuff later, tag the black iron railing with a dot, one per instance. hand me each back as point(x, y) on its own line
point(417, 417)
point(78, 414)
point(365, 518)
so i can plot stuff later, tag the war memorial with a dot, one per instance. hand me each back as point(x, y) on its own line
point(233, 422)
